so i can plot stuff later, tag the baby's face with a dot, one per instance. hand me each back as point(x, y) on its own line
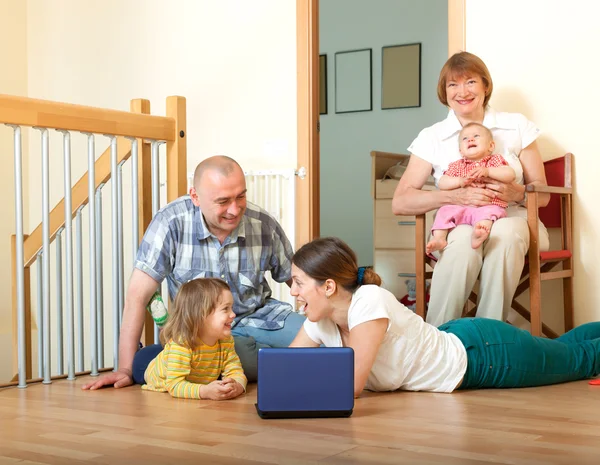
point(475, 143)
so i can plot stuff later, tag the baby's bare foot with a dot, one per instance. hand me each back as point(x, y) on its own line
point(480, 234)
point(436, 243)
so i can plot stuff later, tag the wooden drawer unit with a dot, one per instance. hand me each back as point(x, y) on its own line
point(393, 236)
point(394, 267)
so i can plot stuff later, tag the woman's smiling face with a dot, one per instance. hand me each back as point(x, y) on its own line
point(466, 95)
point(309, 293)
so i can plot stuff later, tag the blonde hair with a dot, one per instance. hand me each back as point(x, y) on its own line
point(464, 64)
point(479, 125)
point(195, 301)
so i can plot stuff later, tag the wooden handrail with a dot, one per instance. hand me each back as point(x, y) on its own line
point(79, 197)
point(138, 124)
point(24, 111)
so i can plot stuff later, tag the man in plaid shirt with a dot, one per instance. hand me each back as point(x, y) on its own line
point(212, 232)
point(478, 164)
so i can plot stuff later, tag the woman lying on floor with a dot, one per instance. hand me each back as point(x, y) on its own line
point(395, 349)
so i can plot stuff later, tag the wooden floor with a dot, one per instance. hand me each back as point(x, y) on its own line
point(60, 424)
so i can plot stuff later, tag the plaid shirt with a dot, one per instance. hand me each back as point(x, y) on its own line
point(178, 246)
point(461, 168)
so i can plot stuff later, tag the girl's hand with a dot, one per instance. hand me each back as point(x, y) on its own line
point(479, 172)
point(465, 182)
point(509, 192)
point(218, 390)
point(236, 388)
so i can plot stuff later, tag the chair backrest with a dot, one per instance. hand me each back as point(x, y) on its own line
point(558, 174)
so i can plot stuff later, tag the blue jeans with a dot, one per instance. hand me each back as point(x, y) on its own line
point(247, 342)
point(502, 356)
point(142, 359)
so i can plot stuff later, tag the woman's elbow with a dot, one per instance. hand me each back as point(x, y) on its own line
point(400, 205)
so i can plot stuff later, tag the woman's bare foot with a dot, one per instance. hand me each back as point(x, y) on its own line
point(436, 243)
point(480, 234)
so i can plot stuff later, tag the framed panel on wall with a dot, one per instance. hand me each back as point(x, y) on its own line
point(401, 76)
point(353, 81)
point(322, 84)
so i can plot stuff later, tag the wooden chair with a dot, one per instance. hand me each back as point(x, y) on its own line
point(539, 266)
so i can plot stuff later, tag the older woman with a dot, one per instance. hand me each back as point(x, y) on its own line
point(465, 86)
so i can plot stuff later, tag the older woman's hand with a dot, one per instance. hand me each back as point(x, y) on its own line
point(509, 192)
point(472, 196)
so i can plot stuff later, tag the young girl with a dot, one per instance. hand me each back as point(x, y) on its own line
point(395, 349)
point(198, 346)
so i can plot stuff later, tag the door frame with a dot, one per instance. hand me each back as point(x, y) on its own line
point(307, 66)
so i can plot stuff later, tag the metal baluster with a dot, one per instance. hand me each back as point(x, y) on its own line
point(92, 253)
point(59, 303)
point(120, 238)
point(155, 199)
point(40, 313)
point(79, 274)
point(99, 278)
point(115, 252)
point(69, 256)
point(46, 255)
point(20, 261)
point(134, 196)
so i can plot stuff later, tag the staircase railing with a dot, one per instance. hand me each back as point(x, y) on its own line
point(135, 137)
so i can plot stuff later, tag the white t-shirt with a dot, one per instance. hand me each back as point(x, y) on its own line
point(413, 356)
point(438, 144)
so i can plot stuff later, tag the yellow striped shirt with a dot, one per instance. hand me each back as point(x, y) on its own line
point(181, 371)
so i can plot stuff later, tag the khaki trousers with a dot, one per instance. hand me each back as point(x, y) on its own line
point(498, 263)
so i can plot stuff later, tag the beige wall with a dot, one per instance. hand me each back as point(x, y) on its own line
point(234, 61)
point(542, 56)
point(13, 80)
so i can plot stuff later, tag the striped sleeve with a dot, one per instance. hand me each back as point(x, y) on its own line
point(232, 367)
point(178, 366)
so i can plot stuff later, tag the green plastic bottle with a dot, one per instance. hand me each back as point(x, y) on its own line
point(158, 309)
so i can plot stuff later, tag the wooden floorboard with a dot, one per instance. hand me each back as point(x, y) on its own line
point(60, 424)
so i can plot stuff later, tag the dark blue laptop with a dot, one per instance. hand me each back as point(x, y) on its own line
point(305, 382)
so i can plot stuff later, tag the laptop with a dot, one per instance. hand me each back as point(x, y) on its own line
point(303, 382)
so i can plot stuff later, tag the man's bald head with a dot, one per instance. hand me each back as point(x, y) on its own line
point(220, 192)
point(220, 163)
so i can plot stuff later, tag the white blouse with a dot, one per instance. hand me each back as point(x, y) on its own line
point(413, 356)
point(438, 144)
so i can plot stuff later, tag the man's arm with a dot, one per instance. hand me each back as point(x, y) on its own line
point(140, 290)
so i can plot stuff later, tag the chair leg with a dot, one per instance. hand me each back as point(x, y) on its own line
point(535, 283)
point(568, 303)
point(420, 266)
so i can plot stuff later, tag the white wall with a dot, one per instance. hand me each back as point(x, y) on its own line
point(347, 139)
point(542, 55)
point(233, 60)
point(13, 80)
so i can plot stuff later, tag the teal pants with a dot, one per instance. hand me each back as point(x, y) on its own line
point(502, 356)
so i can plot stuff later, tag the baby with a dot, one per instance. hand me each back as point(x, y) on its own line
point(476, 146)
